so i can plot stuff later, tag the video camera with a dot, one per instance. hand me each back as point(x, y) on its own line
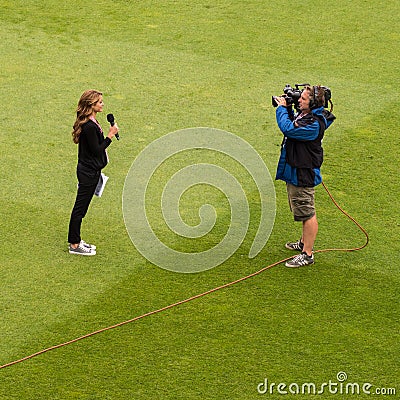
point(292, 96)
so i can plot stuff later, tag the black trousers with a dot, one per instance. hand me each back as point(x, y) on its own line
point(88, 180)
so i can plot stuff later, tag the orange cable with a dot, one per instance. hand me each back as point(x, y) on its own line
point(193, 297)
point(352, 219)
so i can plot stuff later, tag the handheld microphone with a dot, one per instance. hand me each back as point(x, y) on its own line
point(110, 119)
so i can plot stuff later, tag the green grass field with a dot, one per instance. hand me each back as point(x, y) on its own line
point(170, 65)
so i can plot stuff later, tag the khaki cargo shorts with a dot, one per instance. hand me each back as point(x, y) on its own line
point(301, 201)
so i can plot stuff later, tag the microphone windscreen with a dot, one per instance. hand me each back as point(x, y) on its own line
point(110, 119)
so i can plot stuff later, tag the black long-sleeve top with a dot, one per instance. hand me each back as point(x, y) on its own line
point(92, 146)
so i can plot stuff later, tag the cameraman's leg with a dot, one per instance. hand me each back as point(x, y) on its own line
point(302, 205)
point(310, 230)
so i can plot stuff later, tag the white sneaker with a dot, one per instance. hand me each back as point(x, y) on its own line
point(90, 246)
point(82, 250)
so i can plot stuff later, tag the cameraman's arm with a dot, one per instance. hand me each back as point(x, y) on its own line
point(287, 127)
point(281, 101)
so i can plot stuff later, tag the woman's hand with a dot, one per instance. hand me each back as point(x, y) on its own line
point(112, 131)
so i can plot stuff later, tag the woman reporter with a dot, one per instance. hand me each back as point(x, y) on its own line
point(92, 158)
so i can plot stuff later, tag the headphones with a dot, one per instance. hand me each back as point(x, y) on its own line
point(314, 97)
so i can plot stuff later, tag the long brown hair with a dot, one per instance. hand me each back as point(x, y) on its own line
point(84, 110)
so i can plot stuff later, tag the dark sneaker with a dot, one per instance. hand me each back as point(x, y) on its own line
point(82, 250)
point(90, 246)
point(300, 261)
point(297, 246)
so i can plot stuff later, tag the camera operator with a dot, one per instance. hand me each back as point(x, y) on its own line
point(300, 161)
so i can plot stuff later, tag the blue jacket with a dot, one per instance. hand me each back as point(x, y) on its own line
point(301, 151)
